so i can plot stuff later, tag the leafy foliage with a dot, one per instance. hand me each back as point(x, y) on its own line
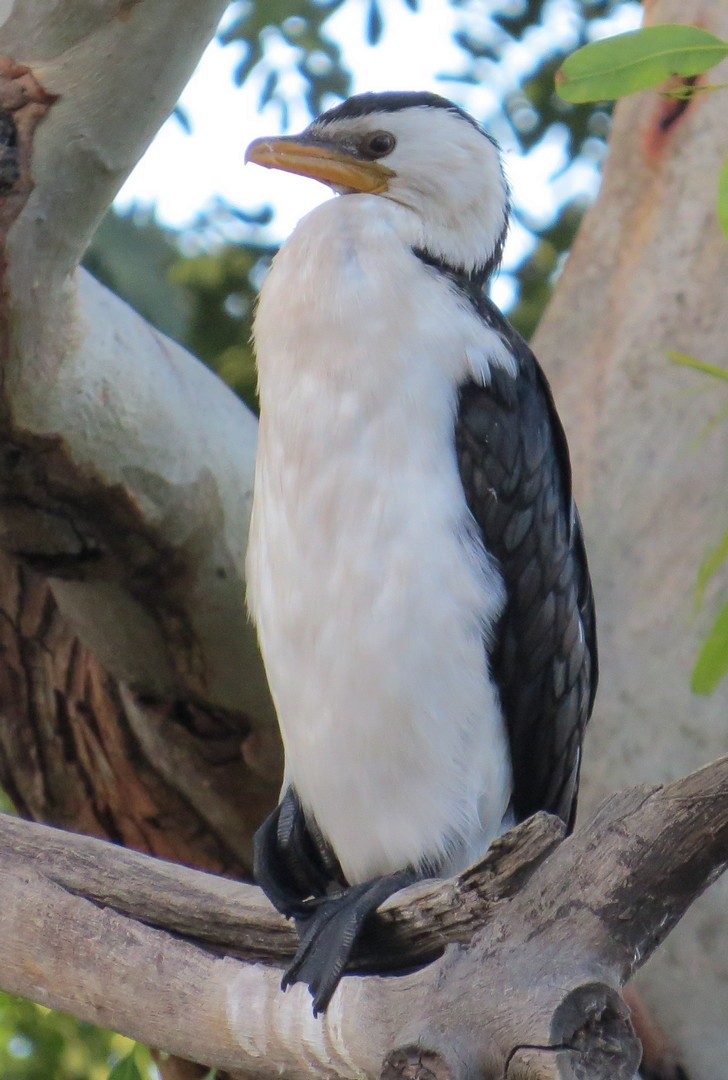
point(311, 53)
point(711, 666)
point(221, 286)
point(529, 113)
point(710, 566)
point(36, 1044)
point(488, 39)
point(282, 39)
point(699, 365)
point(133, 256)
point(127, 1069)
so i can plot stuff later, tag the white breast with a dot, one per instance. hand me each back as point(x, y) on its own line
point(370, 594)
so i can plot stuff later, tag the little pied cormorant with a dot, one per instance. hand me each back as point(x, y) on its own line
point(416, 568)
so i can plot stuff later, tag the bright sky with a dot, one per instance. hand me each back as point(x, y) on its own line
point(181, 174)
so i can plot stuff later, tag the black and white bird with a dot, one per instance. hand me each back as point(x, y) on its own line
point(416, 568)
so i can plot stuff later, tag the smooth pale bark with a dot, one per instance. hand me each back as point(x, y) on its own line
point(648, 274)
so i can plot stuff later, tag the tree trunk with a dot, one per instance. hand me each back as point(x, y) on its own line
point(648, 274)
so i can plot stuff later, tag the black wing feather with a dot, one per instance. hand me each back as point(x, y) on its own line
point(514, 465)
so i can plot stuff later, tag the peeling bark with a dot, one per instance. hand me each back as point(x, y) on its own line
point(125, 465)
point(134, 703)
point(23, 104)
point(79, 750)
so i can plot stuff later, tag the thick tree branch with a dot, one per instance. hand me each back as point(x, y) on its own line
point(125, 466)
point(534, 993)
point(238, 919)
point(125, 473)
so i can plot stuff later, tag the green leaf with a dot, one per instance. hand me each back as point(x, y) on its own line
point(684, 360)
point(712, 663)
point(710, 566)
point(126, 1069)
point(637, 60)
point(723, 198)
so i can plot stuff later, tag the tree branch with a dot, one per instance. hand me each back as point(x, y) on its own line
point(126, 467)
point(238, 919)
point(126, 471)
point(553, 930)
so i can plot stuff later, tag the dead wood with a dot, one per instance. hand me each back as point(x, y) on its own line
point(540, 937)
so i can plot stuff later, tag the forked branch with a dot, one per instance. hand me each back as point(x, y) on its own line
point(532, 947)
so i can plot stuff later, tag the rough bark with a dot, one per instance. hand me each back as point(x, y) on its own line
point(237, 919)
point(78, 749)
point(530, 992)
point(648, 274)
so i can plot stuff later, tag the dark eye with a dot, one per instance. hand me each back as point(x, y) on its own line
point(377, 144)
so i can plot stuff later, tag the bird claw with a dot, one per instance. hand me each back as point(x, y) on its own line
point(295, 868)
point(288, 865)
point(329, 932)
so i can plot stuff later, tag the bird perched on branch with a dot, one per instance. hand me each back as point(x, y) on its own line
point(416, 568)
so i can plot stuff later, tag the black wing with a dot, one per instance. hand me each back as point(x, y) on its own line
point(514, 465)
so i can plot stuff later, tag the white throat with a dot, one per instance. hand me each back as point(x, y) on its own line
point(449, 174)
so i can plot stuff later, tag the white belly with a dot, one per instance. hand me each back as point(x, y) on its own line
point(370, 593)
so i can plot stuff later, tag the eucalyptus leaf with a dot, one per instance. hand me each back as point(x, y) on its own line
point(637, 60)
point(710, 566)
point(126, 1070)
point(685, 360)
point(712, 663)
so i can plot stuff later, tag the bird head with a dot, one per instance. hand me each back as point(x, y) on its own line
point(418, 150)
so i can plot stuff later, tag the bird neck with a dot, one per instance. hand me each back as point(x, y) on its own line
point(472, 282)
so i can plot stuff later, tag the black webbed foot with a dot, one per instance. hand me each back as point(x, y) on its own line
point(301, 876)
point(329, 931)
point(289, 863)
